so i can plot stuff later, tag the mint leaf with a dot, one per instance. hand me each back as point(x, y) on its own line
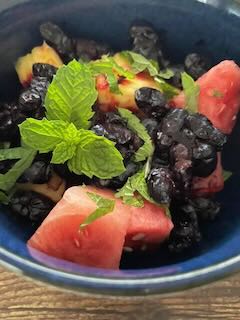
point(44, 135)
point(167, 89)
point(166, 74)
point(96, 156)
point(63, 152)
point(85, 152)
point(113, 83)
point(191, 90)
point(107, 66)
point(226, 175)
point(25, 156)
point(4, 199)
point(139, 63)
point(135, 183)
point(134, 124)
point(135, 191)
point(71, 95)
point(127, 193)
point(104, 206)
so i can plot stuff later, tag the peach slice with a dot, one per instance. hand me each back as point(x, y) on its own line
point(41, 54)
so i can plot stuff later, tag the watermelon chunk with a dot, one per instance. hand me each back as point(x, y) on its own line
point(219, 98)
point(101, 243)
point(147, 226)
point(219, 101)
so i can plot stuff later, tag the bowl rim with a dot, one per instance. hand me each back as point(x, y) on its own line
point(128, 286)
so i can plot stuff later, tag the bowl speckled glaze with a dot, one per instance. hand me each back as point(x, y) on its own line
point(209, 27)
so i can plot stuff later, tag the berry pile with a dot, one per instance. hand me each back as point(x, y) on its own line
point(112, 126)
point(186, 146)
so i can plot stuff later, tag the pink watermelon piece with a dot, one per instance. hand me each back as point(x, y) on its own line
point(147, 226)
point(219, 98)
point(219, 101)
point(99, 245)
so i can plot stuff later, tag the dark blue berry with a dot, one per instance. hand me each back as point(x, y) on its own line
point(39, 172)
point(56, 38)
point(196, 65)
point(147, 43)
point(44, 70)
point(151, 125)
point(160, 185)
point(30, 101)
point(10, 118)
point(31, 205)
point(204, 159)
point(185, 234)
point(206, 208)
point(173, 122)
point(152, 102)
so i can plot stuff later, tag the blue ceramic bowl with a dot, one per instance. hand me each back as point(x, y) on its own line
point(210, 27)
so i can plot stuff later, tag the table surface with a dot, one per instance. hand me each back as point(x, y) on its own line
point(24, 299)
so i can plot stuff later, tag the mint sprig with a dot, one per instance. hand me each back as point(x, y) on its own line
point(25, 158)
point(168, 90)
point(135, 191)
point(104, 206)
point(191, 90)
point(139, 63)
point(134, 124)
point(85, 152)
point(71, 95)
point(96, 156)
point(136, 183)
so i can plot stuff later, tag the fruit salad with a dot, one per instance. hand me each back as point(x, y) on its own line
point(110, 153)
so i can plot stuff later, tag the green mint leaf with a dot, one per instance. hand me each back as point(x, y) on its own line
point(71, 95)
point(134, 201)
point(4, 199)
point(107, 66)
point(137, 184)
point(217, 94)
point(226, 175)
point(134, 124)
point(25, 156)
point(104, 206)
point(139, 63)
point(96, 156)
point(85, 152)
point(166, 74)
point(167, 89)
point(191, 90)
point(113, 83)
point(63, 152)
point(44, 135)
point(127, 193)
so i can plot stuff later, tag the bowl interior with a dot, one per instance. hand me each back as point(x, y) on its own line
point(185, 27)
